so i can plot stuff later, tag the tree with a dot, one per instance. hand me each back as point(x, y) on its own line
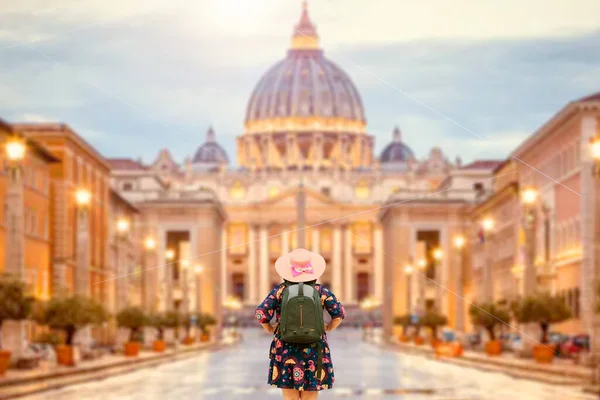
point(70, 313)
point(433, 319)
point(157, 321)
point(14, 304)
point(544, 309)
point(489, 315)
point(404, 321)
point(204, 321)
point(133, 318)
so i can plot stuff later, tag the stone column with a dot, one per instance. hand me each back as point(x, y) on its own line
point(349, 266)
point(263, 279)
point(14, 332)
point(316, 237)
point(590, 229)
point(224, 271)
point(336, 255)
point(378, 261)
point(252, 282)
point(285, 240)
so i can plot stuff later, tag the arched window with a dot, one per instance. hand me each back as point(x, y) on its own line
point(362, 190)
point(237, 191)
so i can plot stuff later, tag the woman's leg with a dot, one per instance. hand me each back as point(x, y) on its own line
point(306, 395)
point(290, 394)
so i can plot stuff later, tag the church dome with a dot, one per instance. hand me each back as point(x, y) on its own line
point(396, 152)
point(210, 153)
point(305, 91)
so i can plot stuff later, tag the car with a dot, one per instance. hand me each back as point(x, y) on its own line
point(575, 345)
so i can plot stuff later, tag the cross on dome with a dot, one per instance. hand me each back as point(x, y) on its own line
point(305, 33)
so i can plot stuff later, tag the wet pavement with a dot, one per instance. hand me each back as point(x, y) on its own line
point(363, 371)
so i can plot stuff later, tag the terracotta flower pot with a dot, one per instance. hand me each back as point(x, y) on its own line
point(188, 340)
point(205, 337)
point(419, 340)
point(132, 349)
point(64, 355)
point(4, 361)
point(404, 339)
point(453, 349)
point(543, 354)
point(435, 343)
point(493, 348)
point(159, 346)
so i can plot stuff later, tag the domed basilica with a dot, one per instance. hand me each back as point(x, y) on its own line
point(305, 122)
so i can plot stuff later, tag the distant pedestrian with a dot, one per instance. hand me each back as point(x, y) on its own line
point(300, 357)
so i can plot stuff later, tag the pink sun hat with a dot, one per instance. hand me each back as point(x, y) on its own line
point(300, 265)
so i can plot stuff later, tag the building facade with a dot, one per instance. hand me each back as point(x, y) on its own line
point(305, 125)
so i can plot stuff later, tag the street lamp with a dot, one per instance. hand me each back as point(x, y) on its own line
point(438, 255)
point(150, 243)
point(488, 225)
point(198, 269)
point(529, 198)
point(83, 199)
point(170, 254)
point(408, 271)
point(459, 245)
point(122, 226)
point(14, 246)
point(459, 242)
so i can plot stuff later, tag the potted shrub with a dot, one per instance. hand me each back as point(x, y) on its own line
point(404, 321)
point(544, 309)
point(159, 322)
point(69, 314)
point(489, 316)
point(433, 320)
point(14, 305)
point(187, 324)
point(204, 321)
point(134, 319)
point(173, 320)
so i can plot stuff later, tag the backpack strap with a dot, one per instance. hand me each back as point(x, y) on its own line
point(319, 360)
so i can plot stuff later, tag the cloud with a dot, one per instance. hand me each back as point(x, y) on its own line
point(140, 79)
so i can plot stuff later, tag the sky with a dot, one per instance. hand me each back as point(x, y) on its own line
point(475, 77)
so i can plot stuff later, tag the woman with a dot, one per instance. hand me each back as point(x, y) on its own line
point(293, 367)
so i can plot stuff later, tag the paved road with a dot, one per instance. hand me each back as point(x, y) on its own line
point(363, 371)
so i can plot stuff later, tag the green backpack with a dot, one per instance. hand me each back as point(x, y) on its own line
point(301, 319)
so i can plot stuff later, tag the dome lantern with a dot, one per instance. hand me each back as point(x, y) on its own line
point(305, 34)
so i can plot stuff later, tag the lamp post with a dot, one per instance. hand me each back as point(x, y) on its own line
point(198, 270)
point(459, 244)
point(529, 199)
point(438, 256)
point(15, 241)
point(169, 257)
point(488, 225)
point(123, 226)
point(149, 248)
point(408, 271)
point(421, 265)
point(185, 265)
point(83, 199)
point(14, 246)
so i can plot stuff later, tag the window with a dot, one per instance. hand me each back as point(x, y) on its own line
point(363, 285)
point(273, 191)
point(238, 285)
point(237, 191)
point(326, 191)
point(127, 186)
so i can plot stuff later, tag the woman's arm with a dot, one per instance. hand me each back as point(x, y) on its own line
point(334, 323)
point(269, 328)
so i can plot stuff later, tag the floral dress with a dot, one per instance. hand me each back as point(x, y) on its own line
point(293, 366)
